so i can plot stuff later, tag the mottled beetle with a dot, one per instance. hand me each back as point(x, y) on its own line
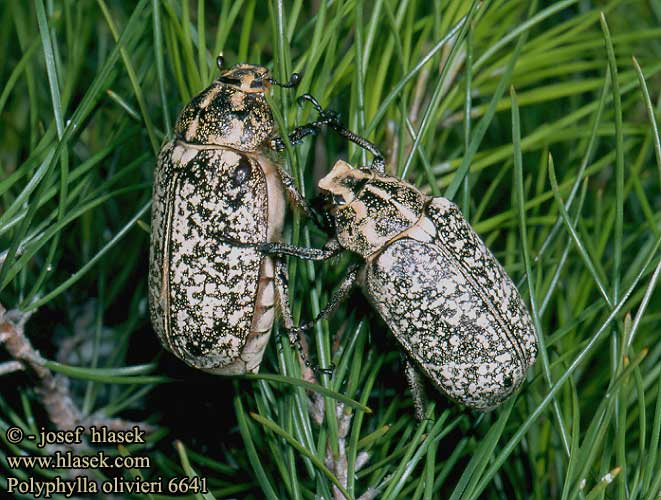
point(447, 300)
point(218, 192)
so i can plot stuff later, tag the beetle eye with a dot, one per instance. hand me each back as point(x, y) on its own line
point(230, 81)
point(338, 199)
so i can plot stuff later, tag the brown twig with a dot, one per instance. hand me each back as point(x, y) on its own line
point(339, 464)
point(53, 389)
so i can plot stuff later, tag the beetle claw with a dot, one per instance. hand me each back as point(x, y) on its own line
point(302, 99)
point(327, 115)
point(325, 371)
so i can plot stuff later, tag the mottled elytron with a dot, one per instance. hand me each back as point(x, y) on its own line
point(447, 300)
point(219, 192)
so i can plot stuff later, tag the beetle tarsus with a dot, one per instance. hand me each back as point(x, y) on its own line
point(295, 196)
point(378, 163)
point(312, 100)
point(339, 296)
point(281, 286)
point(324, 371)
point(328, 114)
point(296, 136)
point(329, 118)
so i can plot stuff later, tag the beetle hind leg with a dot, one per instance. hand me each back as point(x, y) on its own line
point(339, 296)
point(293, 332)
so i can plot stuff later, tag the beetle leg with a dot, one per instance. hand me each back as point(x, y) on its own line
point(378, 163)
point(417, 388)
point(330, 249)
point(297, 135)
point(281, 287)
point(294, 334)
point(282, 290)
point(298, 200)
point(331, 119)
point(294, 194)
point(339, 296)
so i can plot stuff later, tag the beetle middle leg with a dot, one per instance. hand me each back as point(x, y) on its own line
point(277, 249)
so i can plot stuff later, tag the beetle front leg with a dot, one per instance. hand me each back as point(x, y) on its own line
point(378, 163)
point(297, 135)
point(417, 388)
point(330, 249)
point(294, 194)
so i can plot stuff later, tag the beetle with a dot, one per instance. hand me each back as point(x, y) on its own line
point(450, 304)
point(218, 193)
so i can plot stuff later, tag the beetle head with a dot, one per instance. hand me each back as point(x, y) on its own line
point(369, 209)
point(247, 78)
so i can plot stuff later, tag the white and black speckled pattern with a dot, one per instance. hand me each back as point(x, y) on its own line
point(225, 116)
point(211, 303)
point(231, 112)
point(453, 308)
point(445, 297)
point(470, 252)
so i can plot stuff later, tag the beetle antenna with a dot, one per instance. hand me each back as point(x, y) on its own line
point(294, 79)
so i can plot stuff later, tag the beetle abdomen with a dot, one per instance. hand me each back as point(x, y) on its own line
point(476, 344)
point(203, 284)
